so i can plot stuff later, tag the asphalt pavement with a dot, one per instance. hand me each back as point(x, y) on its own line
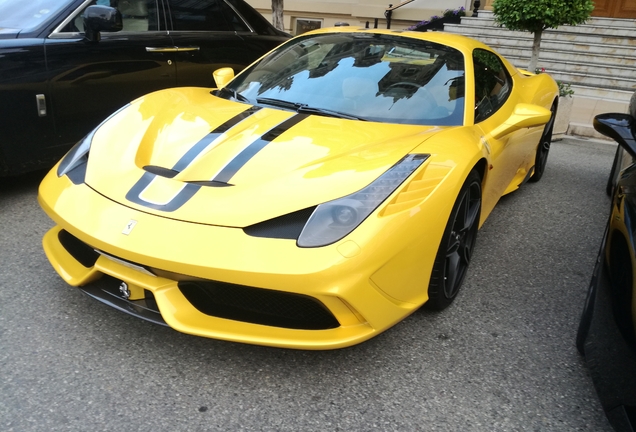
point(501, 358)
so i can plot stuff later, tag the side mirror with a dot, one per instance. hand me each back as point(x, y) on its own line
point(101, 18)
point(223, 76)
point(523, 116)
point(620, 127)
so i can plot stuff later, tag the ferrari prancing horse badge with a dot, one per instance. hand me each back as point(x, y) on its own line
point(129, 227)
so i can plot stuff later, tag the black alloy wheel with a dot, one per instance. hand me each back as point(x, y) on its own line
point(456, 247)
point(541, 158)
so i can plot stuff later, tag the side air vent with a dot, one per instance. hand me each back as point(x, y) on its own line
point(286, 227)
point(417, 190)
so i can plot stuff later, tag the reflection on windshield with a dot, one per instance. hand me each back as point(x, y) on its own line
point(377, 77)
point(19, 14)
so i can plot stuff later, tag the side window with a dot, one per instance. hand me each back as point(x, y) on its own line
point(137, 15)
point(492, 84)
point(204, 15)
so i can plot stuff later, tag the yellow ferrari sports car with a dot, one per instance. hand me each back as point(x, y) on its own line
point(313, 201)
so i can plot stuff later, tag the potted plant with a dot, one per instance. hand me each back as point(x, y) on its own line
point(562, 120)
point(538, 15)
point(564, 110)
point(436, 22)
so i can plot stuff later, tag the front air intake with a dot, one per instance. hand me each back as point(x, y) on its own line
point(258, 305)
point(83, 253)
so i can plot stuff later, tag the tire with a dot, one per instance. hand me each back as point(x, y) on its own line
point(613, 177)
point(456, 248)
point(541, 157)
point(588, 310)
point(622, 285)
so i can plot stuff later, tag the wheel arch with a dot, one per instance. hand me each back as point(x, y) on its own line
point(480, 167)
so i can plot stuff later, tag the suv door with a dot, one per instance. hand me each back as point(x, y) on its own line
point(90, 80)
point(205, 32)
point(26, 125)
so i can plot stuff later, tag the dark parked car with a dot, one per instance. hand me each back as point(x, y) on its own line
point(606, 333)
point(65, 65)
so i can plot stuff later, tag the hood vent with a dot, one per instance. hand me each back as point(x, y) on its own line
point(160, 171)
point(286, 227)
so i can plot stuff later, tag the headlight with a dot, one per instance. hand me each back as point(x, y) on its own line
point(333, 220)
point(78, 155)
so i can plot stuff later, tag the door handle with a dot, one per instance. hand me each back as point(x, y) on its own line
point(171, 49)
point(161, 49)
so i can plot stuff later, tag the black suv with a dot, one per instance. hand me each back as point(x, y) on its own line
point(66, 65)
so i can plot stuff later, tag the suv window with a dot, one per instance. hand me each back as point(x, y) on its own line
point(27, 15)
point(259, 24)
point(492, 84)
point(204, 15)
point(137, 15)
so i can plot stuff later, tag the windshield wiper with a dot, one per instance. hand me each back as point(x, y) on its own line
point(231, 93)
point(279, 103)
point(306, 109)
point(327, 112)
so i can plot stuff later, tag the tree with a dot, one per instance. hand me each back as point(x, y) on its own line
point(277, 14)
point(537, 15)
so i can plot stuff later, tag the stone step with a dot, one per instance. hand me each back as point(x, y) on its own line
point(562, 60)
point(487, 15)
point(595, 93)
point(581, 75)
point(604, 50)
point(596, 81)
point(612, 22)
point(551, 35)
point(606, 29)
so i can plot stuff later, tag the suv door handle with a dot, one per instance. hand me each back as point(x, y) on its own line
point(161, 49)
point(171, 49)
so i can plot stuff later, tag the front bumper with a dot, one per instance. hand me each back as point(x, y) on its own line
point(159, 255)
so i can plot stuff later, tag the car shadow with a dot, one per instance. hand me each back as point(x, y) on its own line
point(21, 183)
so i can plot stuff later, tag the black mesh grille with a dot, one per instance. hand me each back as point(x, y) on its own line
point(258, 306)
point(82, 252)
point(287, 227)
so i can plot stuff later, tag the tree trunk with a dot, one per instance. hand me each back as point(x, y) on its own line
point(536, 47)
point(277, 14)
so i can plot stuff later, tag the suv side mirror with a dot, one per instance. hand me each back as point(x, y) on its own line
point(619, 127)
point(101, 18)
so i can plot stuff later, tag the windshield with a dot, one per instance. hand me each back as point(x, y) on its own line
point(382, 78)
point(27, 15)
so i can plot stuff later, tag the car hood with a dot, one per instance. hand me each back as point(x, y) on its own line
point(9, 33)
point(188, 155)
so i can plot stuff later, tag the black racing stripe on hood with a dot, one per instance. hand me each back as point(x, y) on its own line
point(200, 146)
point(250, 151)
point(184, 195)
point(188, 191)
